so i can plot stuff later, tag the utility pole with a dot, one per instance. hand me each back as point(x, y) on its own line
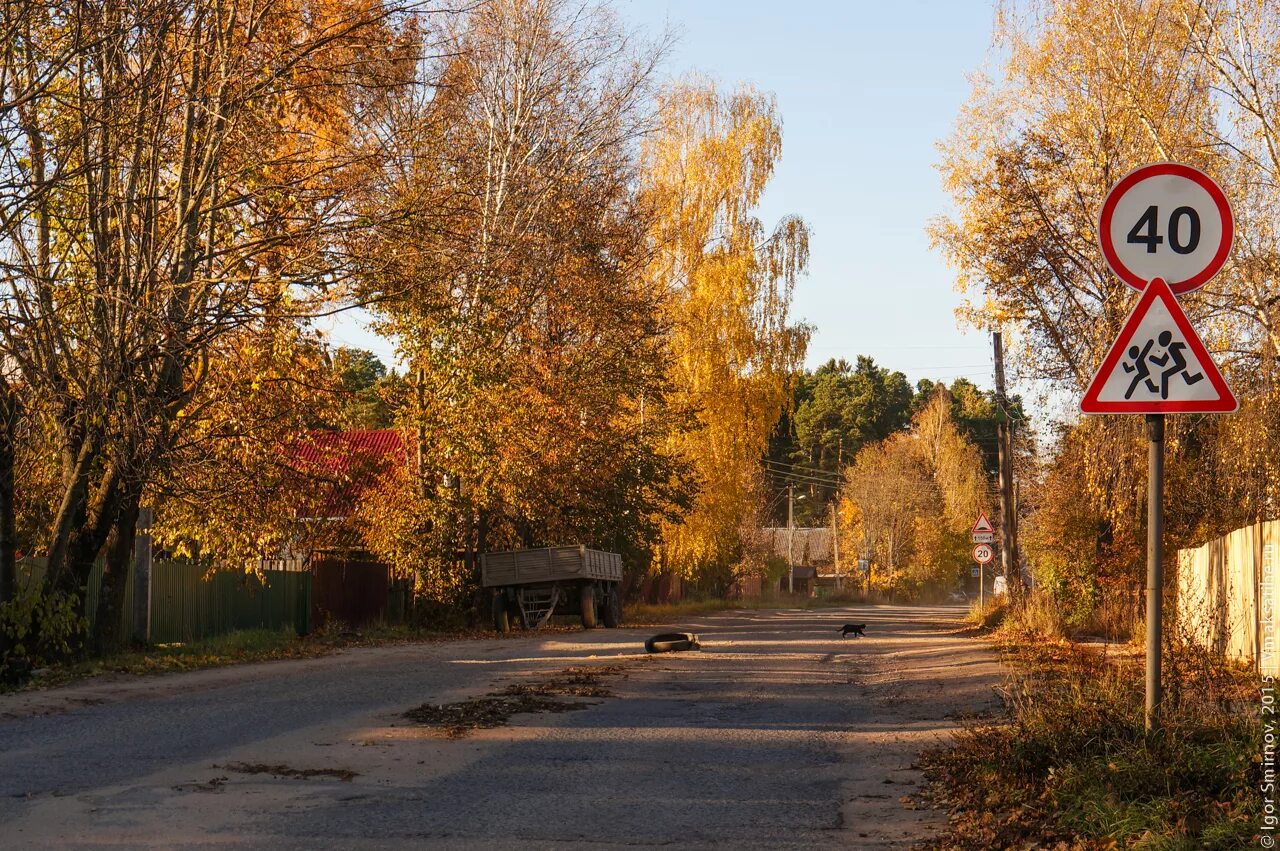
point(1008, 513)
point(142, 570)
point(835, 545)
point(835, 504)
point(791, 534)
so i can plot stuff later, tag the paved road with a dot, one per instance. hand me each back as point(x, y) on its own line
point(778, 734)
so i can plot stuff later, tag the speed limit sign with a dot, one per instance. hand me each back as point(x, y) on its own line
point(1166, 220)
point(983, 553)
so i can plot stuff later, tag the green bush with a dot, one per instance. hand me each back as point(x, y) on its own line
point(36, 630)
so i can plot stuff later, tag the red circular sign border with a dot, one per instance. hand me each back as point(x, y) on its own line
point(989, 547)
point(1154, 169)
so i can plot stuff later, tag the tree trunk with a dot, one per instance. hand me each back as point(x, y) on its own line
point(8, 512)
point(108, 635)
point(67, 550)
point(71, 560)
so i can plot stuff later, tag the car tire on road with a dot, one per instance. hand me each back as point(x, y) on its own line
point(671, 642)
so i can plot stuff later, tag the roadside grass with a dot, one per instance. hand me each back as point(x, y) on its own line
point(987, 615)
point(233, 648)
point(1072, 767)
point(249, 645)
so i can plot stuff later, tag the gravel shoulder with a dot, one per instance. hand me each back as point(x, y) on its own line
point(778, 733)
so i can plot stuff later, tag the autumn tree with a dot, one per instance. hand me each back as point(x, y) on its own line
point(910, 500)
point(726, 282)
point(1089, 91)
point(232, 491)
point(176, 173)
point(512, 285)
point(888, 489)
point(836, 410)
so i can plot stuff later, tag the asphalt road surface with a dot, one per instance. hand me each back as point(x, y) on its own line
point(777, 734)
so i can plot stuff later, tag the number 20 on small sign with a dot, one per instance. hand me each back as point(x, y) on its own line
point(1166, 220)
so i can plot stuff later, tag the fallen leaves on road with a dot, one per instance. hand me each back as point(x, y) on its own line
point(497, 708)
point(213, 784)
point(343, 774)
point(577, 682)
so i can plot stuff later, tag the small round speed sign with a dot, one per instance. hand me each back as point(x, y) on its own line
point(983, 554)
point(1166, 220)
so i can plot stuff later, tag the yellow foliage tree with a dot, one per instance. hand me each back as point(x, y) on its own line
point(910, 500)
point(727, 285)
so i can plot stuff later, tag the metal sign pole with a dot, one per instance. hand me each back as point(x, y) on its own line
point(1155, 579)
point(1161, 256)
point(982, 587)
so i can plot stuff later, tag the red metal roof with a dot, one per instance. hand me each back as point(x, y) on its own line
point(344, 464)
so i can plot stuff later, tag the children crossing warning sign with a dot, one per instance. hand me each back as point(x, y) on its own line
point(1157, 365)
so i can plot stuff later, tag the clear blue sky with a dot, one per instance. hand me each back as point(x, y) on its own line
point(865, 89)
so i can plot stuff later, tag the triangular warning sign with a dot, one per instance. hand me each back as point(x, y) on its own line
point(1157, 365)
point(983, 524)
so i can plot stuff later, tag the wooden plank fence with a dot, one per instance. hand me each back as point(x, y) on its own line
point(1228, 590)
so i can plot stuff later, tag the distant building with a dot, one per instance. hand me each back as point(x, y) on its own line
point(341, 469)
point(812, 557)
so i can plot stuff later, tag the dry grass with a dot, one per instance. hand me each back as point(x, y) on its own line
point(1072, 767)
point(251, 645)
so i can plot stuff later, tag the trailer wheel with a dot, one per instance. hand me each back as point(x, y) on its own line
point(501, 619)
point(612, 612)
point(589, 606)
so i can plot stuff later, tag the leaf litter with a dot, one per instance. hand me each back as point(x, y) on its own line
point(496, 709)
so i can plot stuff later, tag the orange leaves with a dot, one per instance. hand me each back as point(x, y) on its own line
point(228, 491)
point(512, 285)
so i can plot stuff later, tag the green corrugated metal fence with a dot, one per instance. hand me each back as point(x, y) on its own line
point(185, 606)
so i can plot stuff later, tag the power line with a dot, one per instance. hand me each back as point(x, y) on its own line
point(802, 468)
point(799, 480)
point(800, 477)
point(790, 478)
point(832, 481)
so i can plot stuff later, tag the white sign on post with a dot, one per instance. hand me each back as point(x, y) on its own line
point(983, 553)
point(983, 531)
point(1169, 221)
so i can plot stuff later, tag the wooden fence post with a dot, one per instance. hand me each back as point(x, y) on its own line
point(142, 578)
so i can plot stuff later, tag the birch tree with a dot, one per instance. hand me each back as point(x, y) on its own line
point(1085, 92)
point(727, 282)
